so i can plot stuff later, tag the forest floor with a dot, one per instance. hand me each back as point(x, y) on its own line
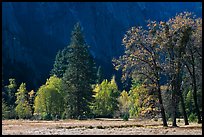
point(97, 127)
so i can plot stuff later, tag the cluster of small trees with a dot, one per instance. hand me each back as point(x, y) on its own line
point(164, 63)
point(105, 98)
point(17, 102)
point(168, 50)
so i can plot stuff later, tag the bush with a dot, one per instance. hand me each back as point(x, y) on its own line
point(82, 117)
point(125, 117)
point(192, 118)
point(5, 110)
point(12, 113)
point(63, 115)
point(5, 115)
point(46, 116)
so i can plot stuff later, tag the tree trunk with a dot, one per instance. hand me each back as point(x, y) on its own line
point(174, 104)
point(184, 110)
point(181, 98)
point(162, 108)
point(195, 91)
point(195, 99)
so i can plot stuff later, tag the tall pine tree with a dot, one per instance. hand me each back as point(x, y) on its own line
point(79, 76)
point(23, 108)
point(60, 63)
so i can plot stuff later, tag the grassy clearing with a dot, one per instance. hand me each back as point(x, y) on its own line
point(109, 126)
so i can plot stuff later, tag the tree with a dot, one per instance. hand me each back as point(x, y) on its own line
point(193, 59)
point(177, 42)
point(5, 110)
point(105, 98)
point(124, 104)
point(189, 102)
point(60, 64)
point(4, 94)
point(49, 101)
point(79, 76)
point(23, 108)
point(31, 100)
point(143, 101)
point(11, 89)
point(143, 59)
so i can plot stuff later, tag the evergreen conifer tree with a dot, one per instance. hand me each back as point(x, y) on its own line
point(79, 76)
point(23, 108)
point(60, 63)
point(10, 92)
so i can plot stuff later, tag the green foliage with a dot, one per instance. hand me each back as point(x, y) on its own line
point(11, 89)
point(60, 64)
point(79, 76)
point(189, 103)
point(31, 98)
point(46, 116)
point(23, 109)
point(192, 117)
point(172, 48)
point(125, 116)
point(141, 102)
point(124, 104)
point(137, 96)
point(5, 110)
point(49, 99)
point(105, 102)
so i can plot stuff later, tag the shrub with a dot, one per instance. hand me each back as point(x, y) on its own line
point(192, 117)
point(46, 116)
point(125, 117)
point(5, 110)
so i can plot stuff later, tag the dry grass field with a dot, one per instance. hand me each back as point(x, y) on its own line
point(96, 127)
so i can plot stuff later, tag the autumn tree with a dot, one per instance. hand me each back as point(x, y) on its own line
point(23, 108)
point(143, 101)
point(143, 59)
point(193, 60)
point(79, 76)
point(177, 42)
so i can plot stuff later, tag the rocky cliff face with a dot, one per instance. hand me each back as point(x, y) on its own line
point(33, 32)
